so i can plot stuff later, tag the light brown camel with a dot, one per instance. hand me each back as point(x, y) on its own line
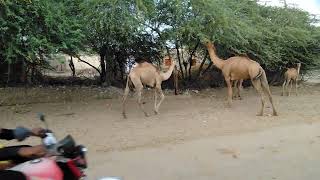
point(146, 74)
point(241, 68)
point(292, 74)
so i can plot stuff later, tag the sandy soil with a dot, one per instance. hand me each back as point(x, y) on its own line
point(186, 122)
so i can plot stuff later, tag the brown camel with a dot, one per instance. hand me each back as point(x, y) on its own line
point(241, 68)
point(146, 74)
point(292, 74)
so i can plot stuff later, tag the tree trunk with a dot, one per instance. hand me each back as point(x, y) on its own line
point(190, 58)
point(120, 61)
point(115, 68)
point(9, 73)
point(23, 77)
point(179, 60)
point(71, 65)
point(201, 65)
point(176, 82)
point(33, 69)
point(109, 66)
point(185, 64)
point(103, 66)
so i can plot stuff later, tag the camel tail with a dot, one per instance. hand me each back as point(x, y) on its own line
point(125, 95)
point(263, 76)
point(266, 88)
point(258, 76)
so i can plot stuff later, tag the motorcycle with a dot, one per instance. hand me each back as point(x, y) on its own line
point(65, 160)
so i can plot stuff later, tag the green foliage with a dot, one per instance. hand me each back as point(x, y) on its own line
point(276, 37)
point(34, 30)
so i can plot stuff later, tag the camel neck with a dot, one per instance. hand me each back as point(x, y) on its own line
point(213, 56)
point(298, 70)
point(166, 75)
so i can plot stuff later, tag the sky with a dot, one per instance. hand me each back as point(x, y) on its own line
point(312, 6)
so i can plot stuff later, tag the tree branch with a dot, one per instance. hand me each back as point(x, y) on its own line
point(88, 64)
point(202, 63)
point(201, 74)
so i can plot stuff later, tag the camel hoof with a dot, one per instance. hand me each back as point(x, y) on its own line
point(124, 116)
point(146, 114)
point(275, 114)
point(156, 112)
point(260, 114)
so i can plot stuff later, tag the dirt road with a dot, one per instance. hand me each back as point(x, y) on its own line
point(284, 153)
point(194, 137)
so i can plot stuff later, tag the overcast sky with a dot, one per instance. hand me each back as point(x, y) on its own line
point(313, 6)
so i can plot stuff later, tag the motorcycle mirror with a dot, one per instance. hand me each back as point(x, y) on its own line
point(42, 118)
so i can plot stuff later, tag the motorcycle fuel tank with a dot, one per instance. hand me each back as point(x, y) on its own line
point(43, 168)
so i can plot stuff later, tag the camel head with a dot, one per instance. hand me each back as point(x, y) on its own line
point(210, 45)
point(298, 65)
point(166, 75)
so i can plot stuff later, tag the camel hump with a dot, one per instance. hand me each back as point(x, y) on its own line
point(244, 55)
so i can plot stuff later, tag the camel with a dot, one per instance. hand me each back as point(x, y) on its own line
point(146, 74)
point(242, 68)
point(292, 74)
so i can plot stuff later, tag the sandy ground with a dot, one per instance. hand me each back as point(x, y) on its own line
point(194, 137)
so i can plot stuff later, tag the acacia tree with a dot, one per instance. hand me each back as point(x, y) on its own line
point(122, 30)
point(114, 32)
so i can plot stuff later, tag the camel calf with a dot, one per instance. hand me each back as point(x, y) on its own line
point(292, 74)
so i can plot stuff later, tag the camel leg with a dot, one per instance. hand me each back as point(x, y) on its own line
point(229, 85)
point(240, 88)
point(139, 95)
point(296, 81)
point(161, 98)
point(287, 84)
point(155, 100)
point(283, 87)
point(234, 86)
point(126, 92)
point(257, 86)
point(291, 82)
